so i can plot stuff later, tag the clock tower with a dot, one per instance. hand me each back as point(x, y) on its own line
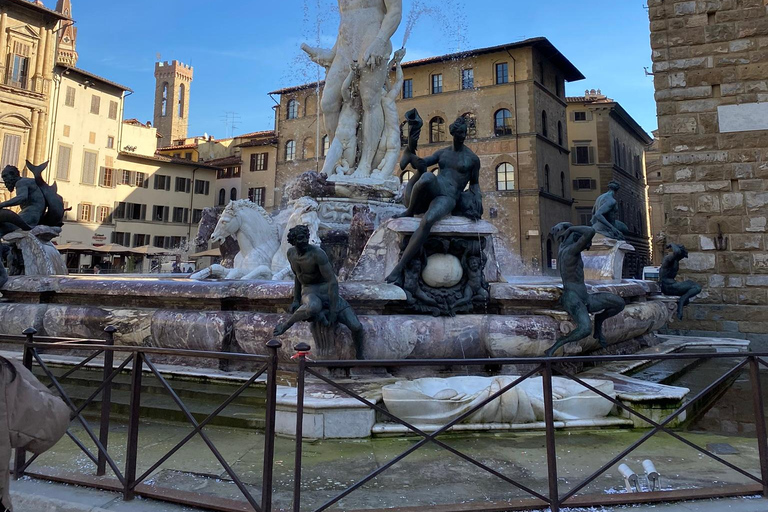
point(67, 54)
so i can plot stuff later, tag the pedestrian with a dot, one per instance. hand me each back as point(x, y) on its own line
point(97, 269)
point(176, 269)
point(31, 418)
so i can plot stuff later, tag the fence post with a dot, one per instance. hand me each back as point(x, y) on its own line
point(21, 455)
point(106, 400)
point(269, 427)
point(132, 447)
point(759, 410)
point(302, 349)
point(549, 419)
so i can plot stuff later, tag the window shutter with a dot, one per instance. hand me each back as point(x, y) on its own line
point(591, 155)
point(589, 115)
point(186, 215)
point(266, 160)
point(79, 211)
point(573, 116)
point(118, 177)
point(157, 181)
point(207, 187)
point(593, 184)
point(166, 209)
point(574, 159)
point(575, 184)
point(167, 183)
point(143, 213)
point(189, 185)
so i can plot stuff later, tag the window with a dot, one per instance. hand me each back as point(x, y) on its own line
point(546, 178)
point(222, 197)
point(90, 160)
point(406, 176)
point(102, 214)
point(95, 104)
point(110, 142)
point(407, 88)
point(160, 242)
point(404, 130)
point(560, 133)
point(437, 129)
point(141, 180)
point(181, 100)
point(256, 195)
point(502, 122)
point(290, 150)
point(584, 184)
point(140, 240)
point(502, 73)
point(183, 185)
point(544, 123)
point(579, 116)
point(180, 215)
point(437, 84)
point(122, 238)
point(326, 145)
point(19, 72)
point(86, 212)
point(188, 155)
point(130, 211)
point(11, 149)
point(164, 100)
point(259, 161)
point(562, 183)
point(197, 216)
point(162, 182)
point(233, 194)
point(505, 176)
point(107, 177)
point(62, 163)
point(582, 155)
point(471, 124)
point(202, 187)
point(467, 79)
point(160, 213)
point(177, 241)
point(113, 110)
point(69, 100)
point(127, 178)
point(584, 216)
point(293, 109)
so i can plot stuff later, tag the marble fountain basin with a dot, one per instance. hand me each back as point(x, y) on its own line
point(436, 401)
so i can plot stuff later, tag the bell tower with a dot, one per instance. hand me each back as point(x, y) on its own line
point(172, 88)
point(67, 48)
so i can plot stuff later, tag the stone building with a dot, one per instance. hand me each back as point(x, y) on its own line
point(514, 98)
point(655, 198)
point(172, 90)
point(27, 55)
point(607, 145)
point(710, 63)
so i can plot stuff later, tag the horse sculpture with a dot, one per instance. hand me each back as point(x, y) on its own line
point(257, 235)
point(208, 222)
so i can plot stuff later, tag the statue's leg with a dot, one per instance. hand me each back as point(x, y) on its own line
point(333, 157)
point(371, 81)
point(610, 305)
point(440, 207)
point(692, 289)
point(349, 318)
point(419, 192)
point(580, 315)
point(312, 305)
point(330, 103)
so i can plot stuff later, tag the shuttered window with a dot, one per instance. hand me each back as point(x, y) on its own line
point(95, 104)
point(11, 149)
point(90, 160)
point(69, 101)
point(113, 110)
point(62, 163)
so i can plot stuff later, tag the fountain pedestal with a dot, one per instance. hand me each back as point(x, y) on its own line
point(40, 256)
point(605, 259)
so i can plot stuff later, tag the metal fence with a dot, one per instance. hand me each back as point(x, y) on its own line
point(127, 482)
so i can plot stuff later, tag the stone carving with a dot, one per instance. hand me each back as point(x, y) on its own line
point(208, 222)
point(390, 139)
point(437, 196)
point(338, 212)
point(316, 295)
point(309, 184)
point(360, 230)
point(437, 401)
point(575, 299)
point(39, 256)
point(343, 149)
point(365, 29)
point(605, 214)
point(670, 266)
point(304, 212)
point(257, 236)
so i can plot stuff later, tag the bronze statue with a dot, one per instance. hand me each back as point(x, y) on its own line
point(437, 196)
point(605, 214)
point(316, 291)
point(575, 299)
point(686, 290)
point(40, 204)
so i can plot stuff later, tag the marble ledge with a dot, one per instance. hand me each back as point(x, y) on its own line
point(608, 422)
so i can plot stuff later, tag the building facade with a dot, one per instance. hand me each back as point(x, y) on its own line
point(513, 97)
point(27, 56)
point(712, 100)
point(172, 91)
point(655, 198)
point(607, 145)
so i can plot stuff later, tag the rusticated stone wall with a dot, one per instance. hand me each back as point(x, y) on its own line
point(711, 76)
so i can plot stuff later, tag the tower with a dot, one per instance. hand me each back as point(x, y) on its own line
point(172, 84)
point(67, 49)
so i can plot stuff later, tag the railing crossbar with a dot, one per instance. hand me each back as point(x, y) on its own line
point(78, 366)
point(104, 384)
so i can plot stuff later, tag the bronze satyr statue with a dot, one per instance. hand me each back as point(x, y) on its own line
point(316, 291)
point(437, 196)
point(606, 212)
point(686, 290)
point(575, 299)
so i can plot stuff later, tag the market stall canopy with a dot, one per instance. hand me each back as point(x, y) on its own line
point(75, 246)
point(213, 253)
point(113, 249)
point(148, 250)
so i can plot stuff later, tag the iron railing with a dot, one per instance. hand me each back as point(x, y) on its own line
point(131, 485)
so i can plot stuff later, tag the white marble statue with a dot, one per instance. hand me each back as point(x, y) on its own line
point(304, 212)
point(365, 30)
point(343, 149)
point(389, 146)
point(437, 401)
point(257, 235)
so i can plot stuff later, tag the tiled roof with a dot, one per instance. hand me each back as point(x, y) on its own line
point(101, 79)
point(258, 142)
point(183, 146)
point(227, 161)
point(295, 88)
point(263, 133)
point(587, 99)
point(40, 8)
point(168, 159)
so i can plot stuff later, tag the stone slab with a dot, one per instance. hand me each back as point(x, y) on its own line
point(449, 226)
point(605, 259)
point(745, 117)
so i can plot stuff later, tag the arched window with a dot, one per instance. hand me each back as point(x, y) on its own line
point(233, 194)
point(549, 253)
point(308, 148)
point(560, 133)
point(222, 197)
point(326, 145)
point(406, 176)
point(164, 100)
point(562, 184)
point(181, 100)
point(437, 130)
point(546, 178)
point(502, 122)
point(310, 105)
point(293, 109)
point(544, 123)
point(290, 150)
point(471, 124)
point(505, 176)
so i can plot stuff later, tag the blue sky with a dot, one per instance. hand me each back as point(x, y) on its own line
point(243, 49)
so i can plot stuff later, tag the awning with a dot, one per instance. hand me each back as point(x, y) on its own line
point(113, 249)
point(148, 250)
point(75, 246)
point(213, 253)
